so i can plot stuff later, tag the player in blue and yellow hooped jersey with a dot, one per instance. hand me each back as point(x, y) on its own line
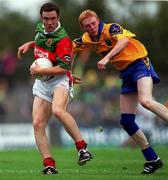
point(117, 46)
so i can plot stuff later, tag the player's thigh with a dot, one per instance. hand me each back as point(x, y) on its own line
point(144, 88)
point(60, 97)
point(128, 103)
point(41, 110)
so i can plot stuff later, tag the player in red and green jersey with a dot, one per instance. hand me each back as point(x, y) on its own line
point(52, 95)
point(55, 46)
point(117, 45)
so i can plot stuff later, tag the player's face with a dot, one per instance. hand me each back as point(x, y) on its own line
point(50, 20)
point(91, 25)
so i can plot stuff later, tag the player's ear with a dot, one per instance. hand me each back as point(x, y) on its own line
point(58, 18)
point(41, 17)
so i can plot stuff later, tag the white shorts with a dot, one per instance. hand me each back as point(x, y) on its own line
point(45, 89)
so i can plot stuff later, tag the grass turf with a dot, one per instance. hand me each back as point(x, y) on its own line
point(107, 164)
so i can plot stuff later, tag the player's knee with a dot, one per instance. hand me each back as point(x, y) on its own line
point(146, 102)
point(58, 112)
point(38, 124)
point(128, 123)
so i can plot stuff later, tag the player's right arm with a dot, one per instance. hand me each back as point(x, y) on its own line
point(24, 48)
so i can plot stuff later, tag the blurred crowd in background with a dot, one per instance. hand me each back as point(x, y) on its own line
point(95, 102)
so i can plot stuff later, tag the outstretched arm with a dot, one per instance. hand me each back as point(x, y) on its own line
point(78, 68)
point(24, 48)
point(120, 45)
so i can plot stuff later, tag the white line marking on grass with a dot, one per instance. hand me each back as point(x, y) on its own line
point(18, 171)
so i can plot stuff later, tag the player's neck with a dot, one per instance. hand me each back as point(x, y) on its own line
point(95, 38)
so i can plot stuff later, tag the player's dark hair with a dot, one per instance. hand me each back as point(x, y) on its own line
point(49, 7)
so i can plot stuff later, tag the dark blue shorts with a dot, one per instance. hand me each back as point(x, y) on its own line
point(136, 70)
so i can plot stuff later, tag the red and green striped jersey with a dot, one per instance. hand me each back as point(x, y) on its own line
point(56, 46)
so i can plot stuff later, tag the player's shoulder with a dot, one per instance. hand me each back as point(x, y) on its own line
point(65, 41)
point(85, 38)
point(114, 28)
point(78, 40)
point(61, 33)
point(39, 27)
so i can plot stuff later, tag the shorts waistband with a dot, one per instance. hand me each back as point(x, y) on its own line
point(49, 78)
point(133, 63)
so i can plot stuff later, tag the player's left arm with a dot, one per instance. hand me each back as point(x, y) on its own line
point(122, 37)
point(81, 56)
point(120, 45)
point(63, 52)
point(37, 70)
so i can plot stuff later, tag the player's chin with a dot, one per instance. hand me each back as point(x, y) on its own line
point(49, 29)
point(93, 33)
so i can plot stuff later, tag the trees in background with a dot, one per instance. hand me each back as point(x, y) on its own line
point(150, 27)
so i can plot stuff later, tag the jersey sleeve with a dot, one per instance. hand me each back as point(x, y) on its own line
point(64, 53)
point(118, 32)
point(78, 45)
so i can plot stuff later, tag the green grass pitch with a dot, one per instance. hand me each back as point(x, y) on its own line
point(107, 164)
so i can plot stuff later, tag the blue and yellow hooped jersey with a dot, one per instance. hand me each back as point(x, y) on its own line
point(108, 36)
